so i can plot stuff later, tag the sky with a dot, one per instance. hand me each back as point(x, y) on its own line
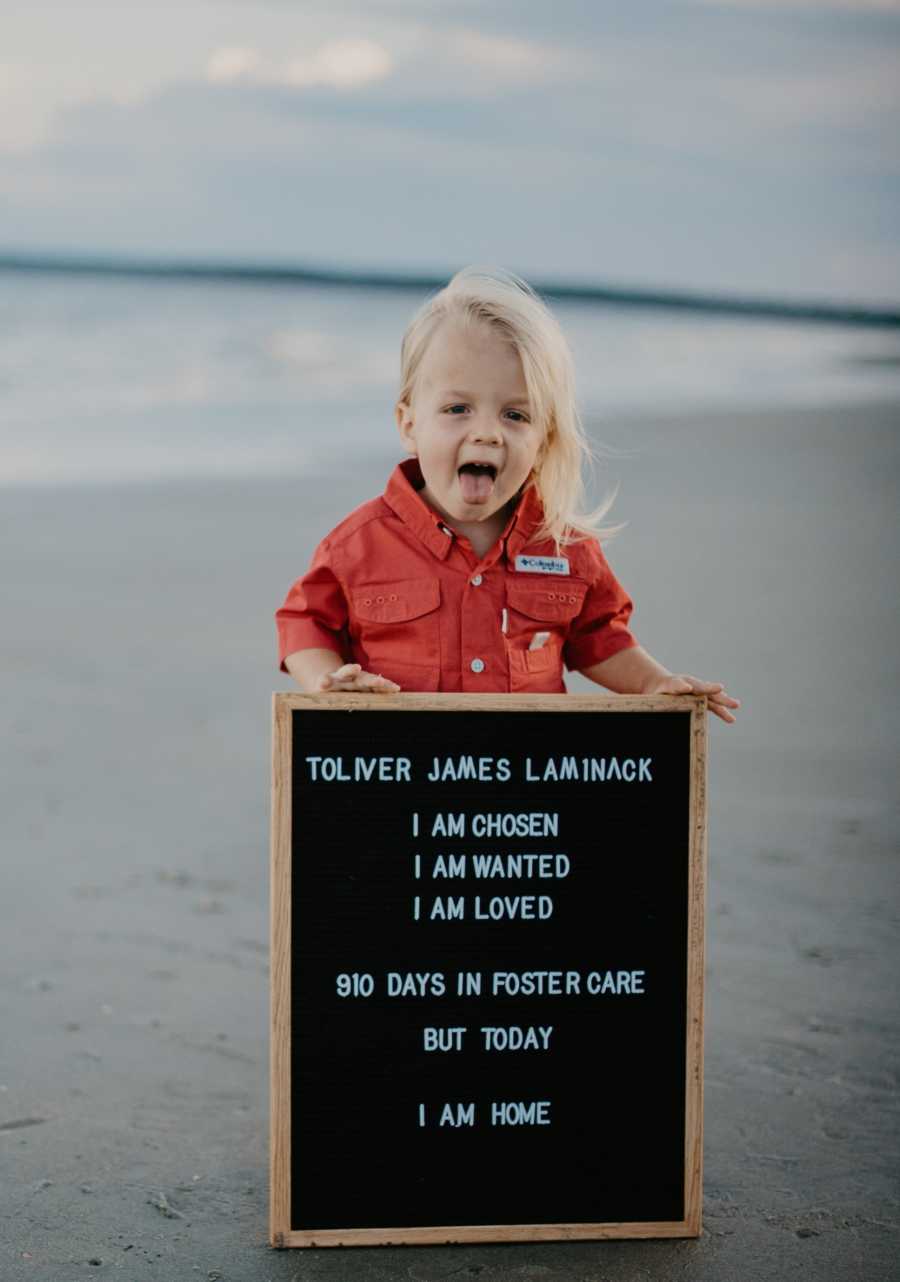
point(728, 146)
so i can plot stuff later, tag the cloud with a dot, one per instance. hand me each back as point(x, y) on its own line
point(429, 63)
point(504, 55)
point(230, 63)
point(342, 64)
point(337, 64)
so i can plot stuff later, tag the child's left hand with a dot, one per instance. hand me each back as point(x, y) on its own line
point(684, 683)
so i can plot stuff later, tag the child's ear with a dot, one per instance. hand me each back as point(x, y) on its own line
point(406, 426)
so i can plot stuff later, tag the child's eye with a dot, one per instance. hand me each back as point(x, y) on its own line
point(519, 417)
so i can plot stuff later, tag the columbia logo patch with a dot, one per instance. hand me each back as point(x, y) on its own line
point(543, 564)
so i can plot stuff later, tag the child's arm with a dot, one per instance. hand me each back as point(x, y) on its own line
point(312, 632)
point(317, 671)
point(634, 671)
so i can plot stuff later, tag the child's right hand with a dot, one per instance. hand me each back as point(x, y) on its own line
point(352, 677)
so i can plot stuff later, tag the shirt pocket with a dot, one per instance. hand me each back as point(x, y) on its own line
point(396, 626)
point(542, 606)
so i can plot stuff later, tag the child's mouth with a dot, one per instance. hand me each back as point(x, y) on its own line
point(476, 481)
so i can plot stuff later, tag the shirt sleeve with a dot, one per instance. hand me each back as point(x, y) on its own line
point(601, 629)
point(314, 614)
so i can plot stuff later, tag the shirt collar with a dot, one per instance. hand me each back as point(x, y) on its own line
point(402, 496)
point(524, 522)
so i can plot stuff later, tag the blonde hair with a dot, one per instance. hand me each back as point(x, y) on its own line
point(506, 302)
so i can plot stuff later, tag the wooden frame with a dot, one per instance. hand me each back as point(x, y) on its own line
point(280, 1232)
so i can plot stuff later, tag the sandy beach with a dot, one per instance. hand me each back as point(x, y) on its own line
point(138, 659)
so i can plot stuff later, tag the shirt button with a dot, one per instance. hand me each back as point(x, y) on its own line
point(476, 581)
point(477, 665)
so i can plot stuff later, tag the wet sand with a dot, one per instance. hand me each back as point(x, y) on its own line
point(138, 657)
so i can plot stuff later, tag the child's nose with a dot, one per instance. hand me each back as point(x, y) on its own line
point(484, 430)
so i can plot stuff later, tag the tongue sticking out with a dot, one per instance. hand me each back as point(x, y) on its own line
point(476, 484)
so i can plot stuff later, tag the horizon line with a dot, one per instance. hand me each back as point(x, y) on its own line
point(288, 274)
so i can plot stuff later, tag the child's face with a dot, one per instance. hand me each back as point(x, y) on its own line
point(470, 406)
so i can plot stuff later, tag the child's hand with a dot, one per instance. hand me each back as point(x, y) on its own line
point(352, 677)
point(683, 683)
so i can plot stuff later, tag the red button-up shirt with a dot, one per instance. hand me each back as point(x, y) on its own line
point(397, 590)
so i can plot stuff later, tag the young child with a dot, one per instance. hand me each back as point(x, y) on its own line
point(475, 570)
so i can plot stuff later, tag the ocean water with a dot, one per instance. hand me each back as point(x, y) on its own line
point(106, 379)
